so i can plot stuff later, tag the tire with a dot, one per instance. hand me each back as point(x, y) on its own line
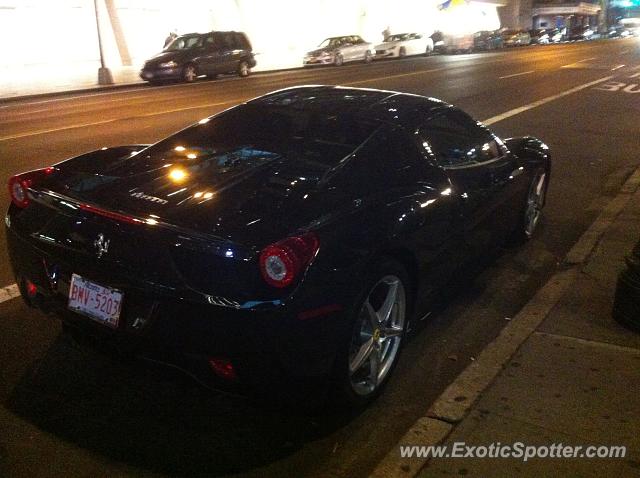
point(368, 57)
point(338, 60)
point(532, 208)
point(428, 51)
point(402, 52)
point(378, 325)
point(244, 69)
point(189, 73)
point(212, 76)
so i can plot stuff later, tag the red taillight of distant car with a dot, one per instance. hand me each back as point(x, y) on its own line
point(283, 262)
point(20, 184)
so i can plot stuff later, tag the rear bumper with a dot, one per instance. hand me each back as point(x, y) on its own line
point(269, 349)
point(155, 74)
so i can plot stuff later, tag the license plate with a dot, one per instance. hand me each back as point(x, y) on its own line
point(97, 302)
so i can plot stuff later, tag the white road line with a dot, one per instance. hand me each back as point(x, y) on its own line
point(239, 100)
point(548, 99)
point(9, 292)
point(586, 59)
point(516, 74)
point(98, 123)
point(617, 67)
point(401, 75)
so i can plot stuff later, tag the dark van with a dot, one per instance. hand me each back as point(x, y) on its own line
point(196, 54)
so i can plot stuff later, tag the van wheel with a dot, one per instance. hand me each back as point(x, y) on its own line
point(243, 69)
point(189, 74)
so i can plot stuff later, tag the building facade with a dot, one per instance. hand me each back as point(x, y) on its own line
point(561, 14)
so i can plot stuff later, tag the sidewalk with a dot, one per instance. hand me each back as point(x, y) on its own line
point(561, 372)
point(575, 380)
point(41, 81)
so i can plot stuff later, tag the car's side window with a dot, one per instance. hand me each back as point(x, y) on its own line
point(457, 140)
point(209, 42)
point(393, 156)
point(241, 43)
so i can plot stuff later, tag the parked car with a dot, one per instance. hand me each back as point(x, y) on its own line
point(580, 33)
point(437, 38)
point(487, 40)
point(556, 35)
point(516, 38)
point(619, 31)
point(403, 44)
point(626, 305)
point(339, 50)
point(287, 243)
point(196, 54)
point(540, 36)
point(462, 43)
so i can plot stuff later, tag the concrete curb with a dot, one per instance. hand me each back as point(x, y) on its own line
point(9, 292)
point(115, 87)
point(88, 89)
point(456, 401)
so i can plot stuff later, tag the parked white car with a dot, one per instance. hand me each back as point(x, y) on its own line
point(403, 44)
point(339, 50)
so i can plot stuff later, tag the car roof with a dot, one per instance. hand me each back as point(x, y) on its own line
point(404, 109)
point(209, 33)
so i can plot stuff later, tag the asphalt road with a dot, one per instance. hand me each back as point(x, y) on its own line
point(66, 411)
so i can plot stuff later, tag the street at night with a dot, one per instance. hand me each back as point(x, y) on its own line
point(68, 410)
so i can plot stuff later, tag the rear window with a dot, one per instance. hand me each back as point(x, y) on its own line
point(254, 133)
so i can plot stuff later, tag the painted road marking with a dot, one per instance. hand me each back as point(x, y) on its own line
point(616, 67)
point(112, 120)
point(618, 86)
point(516, 74)
point(548, 99)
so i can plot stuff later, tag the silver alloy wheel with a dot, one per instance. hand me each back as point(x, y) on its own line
point(377, 335)
point(189, 74)
point(402, 52)
point(535, 202)
point(338, 60)
point(243, 69)
point(368, 57)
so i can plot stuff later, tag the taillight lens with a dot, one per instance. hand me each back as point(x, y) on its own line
point(281, 263)
point(18, 185)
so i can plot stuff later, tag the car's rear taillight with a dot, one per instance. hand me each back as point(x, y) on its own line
point(282, 263)
point(19, 185)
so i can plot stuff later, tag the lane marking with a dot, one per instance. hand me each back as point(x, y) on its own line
point(98, 123)
point(9, 292)
point(401, 75)
point(516, 74)
point(617, 67)
point(586, 59)
point(548, 99)
point(158, 113)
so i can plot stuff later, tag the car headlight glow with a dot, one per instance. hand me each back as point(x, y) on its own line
point(168, 64)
